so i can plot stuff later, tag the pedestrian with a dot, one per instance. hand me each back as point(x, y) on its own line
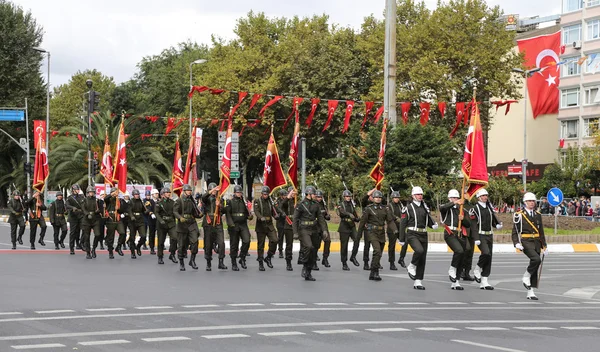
point(114, 222)
point(73, 205)
point(413, 230)
point(347, 228)
point(528, 236)
point(396, 209)
point(213, 226)
point(326, 242)
point(455, 224)
point(286, 208)
point(165, 217)
point(265, 212)
point(237, 215)
point(15, 219)
point(91, 211)
point(57, 213)
point(186, 211)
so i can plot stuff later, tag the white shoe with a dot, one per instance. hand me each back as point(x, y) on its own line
point(527, 280)
point(531, 295)
point(452, 274)
point(456, 286)
point(418, 285)
point(484, 285)
point(412, 270)
point(477, 274)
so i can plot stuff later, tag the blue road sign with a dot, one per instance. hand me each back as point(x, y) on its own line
point(555, 196)
point(12, 115)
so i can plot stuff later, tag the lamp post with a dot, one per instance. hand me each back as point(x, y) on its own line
point(38, 49)
point(199, 61)
point(527, 73)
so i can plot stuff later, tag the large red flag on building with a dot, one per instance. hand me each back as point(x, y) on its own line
point(40, 166)
point(474, 165)
point(293, 168)
point(542, 52)
point(177, 177)
point(377, 173)
point(120, 169)
point(106, 169)
point(273, 174)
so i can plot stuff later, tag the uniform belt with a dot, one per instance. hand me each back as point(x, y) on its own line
point(60, 215)
point(452, 228)
point(112, 212)
point(238, 214)
point(308, 223)
point(417, 229)
point(167, 217)
point(486, 233)
point(267, 218)
point(530, 235)
point(348, 219)
point(18, 213)
point(374, 227)
point(187, 216)
point(137, 214)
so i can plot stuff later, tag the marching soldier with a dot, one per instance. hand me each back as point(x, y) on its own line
point(237, 215)
point(327, 242)
point(151, 218)
point(286, 208)
point(413, 230)
point(373, 222)
point(308, 222)
point(528, 236)
point(483, 220)
point(396, 209)
point(136, 224)
point(114, 222)
point(73, 205)
point(213, 226)
point(265, 212)
point(367, 199)
point(453, 235)
point(165, 218)
point(17, 209)
point(186, 211)
point(91, 210)
point(347, 228)
point(36, 218)
point(57, 213)
point(280, 222)
point(125, 217)
point(102, 221)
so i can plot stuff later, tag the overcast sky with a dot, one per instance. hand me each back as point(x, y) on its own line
point(113, 36)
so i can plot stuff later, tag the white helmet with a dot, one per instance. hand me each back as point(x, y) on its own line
point(453, 194)
point(417, 190)
point(154, 191)
point(126, 194)
point(529, 196)
point(481, 192)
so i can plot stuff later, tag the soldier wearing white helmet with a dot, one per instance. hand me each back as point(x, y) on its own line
point(413, 230)
point(528, 236)
point(453, 234)
point(483, 221)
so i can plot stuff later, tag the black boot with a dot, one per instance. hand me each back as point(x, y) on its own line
point(393, 266)
point(221, 264)
point(354, 261)
point(41, 241)
point(72, 251)
point(172, 258)
point(401, 262)
point(308, 276)
point(77, 245)
point(14, 245)
point(102, 245)
point(315, 267)
point(88, 255)
point(280, 254)
point(325, 262)
point(193, 262)
point(133, 254)
point(32, 246)
point(243, 263)
point(234, 266)
point(261, 267)
point(366, 267)
point(119, 251)
point(376, 276)
point(181, 265)
point(372, 275)
point(110, 254)
point(208, 264)
point(62, 243)
point(160, 260)
point(20, 239)
point(303, 273)
point(138, 249)
point(466, 277)
point(268, 261)
point(56, 246)
point(152, 252)
point(94, 252)
point(288, 265)
point(345, 267)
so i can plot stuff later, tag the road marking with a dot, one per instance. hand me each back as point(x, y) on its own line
point(340, 331)
point(245, 304)
point(288, 304)
point(164, 339)
point(486, 328)
point(565, 302)
point(105, 342)
point(492, 347)
point(224, 336)
point(580, 328)
point(281, 333)
point(524, 302)
point(10, 313)
point(595, 302)
point(578, 269)
point(104, 309)
point(411, 303)
point(154, 307)
point(533, 328)
point(55, 311)
point(387, 329)
point(449, 303)
point(331, 304)
point(583, 292)
point(490, 303)
point(44, 345)
point(438, 329)
point(371, 304)
point(201, 306)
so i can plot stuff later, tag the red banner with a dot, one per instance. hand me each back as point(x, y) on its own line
point(177, 177)
point(368, 108)
point(106, 169)
point(349, 107)
point(425, 109)
point(293, 168)
point(331, 106)
point(405, 109)
point(225, 166)
point(120, 175)
point(378, 114)
point(377, 173)
point(295, 103)
point(474, 165)
point(267, 105)
point(314, 102)
point(40, 166)
point(442, 108)
point(273, 173)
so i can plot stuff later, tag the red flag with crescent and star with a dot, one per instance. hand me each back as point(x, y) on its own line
point(120, 169)
point(474, 165)
point(542, 52)
point(377, 173)
point(273, 174)
point(177, 177)
point(106, 169)
point(40, 166)
point(225, 168)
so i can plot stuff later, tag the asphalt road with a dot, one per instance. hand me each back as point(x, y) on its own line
point(56, 302)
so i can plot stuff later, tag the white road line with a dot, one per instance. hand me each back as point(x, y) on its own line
point(578, 269)
point(525, 302)
point(580, 328)
point(492, 347)
point(288, 304)
point(281, 333)
point(449, 303)
point(331, 304)
point(224, 336)
point(44, 345)
point(388, 330)
point(438, 329)
point(201, 306)
point(100, 343)
point(164, 339)
point(485, 328)
point(340, 331)
point(410, 303)
point(154, 307)
point(245, 304)
point(10, 313)
point(562, 302)
point(533, 328)
point(596, 302)
point(490, 303)
point(104, 309)
point(371, 304)
point(54, 311)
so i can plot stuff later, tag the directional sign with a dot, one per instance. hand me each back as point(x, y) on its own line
point(12, 115)
point(235, 174)
point(555, 196)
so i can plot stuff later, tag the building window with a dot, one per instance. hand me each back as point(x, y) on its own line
point(571, 34)
point(572, 5)
point(568, 129)
point(593, 3)
point(591, 96)
point(590, 127)
point(569, 98)
point(593, 30)
point(571, 68)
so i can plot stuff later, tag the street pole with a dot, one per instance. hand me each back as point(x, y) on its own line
point(303, 150)
point(389, 89)
point(199, 61)
point(47, 123)
point(27, 136)
point(524, 163)
point(89, 134)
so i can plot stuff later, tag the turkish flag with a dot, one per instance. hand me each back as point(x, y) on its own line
point(295, 102)
point(405, 110)
point(40, 166)
point(377, 173)
point(106, 169)
point(120, 169)
point(442, 108)
point(177, 178)
point(275, 99)
point(331, 106)
point(561, 143)
point(378, 114)
point(474, 166)
point(349, 107)
point(425, 109)
point(542, 52)
point(314, 102)
point(273, 173)
point(368, 108)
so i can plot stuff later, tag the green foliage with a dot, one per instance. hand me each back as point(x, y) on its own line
point(504, 190)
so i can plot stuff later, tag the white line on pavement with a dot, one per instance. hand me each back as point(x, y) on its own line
point(154, 307)
point(387, 329)
point(288, 304)
point(165, 339)
point(339, 331)
point(245, 304)
point(100, 343)
point(201, 306)
point(578, 269)
point(104, 309)
point(580, 328)
point(525, 302)
point(485, 328)
point(54, 311)
point(533, 328)
point(281, 333)
point(490, 303)
point(449, 303)
point(441, 328)
point(224, 336)
point(10, 313)
point(331, 304)
point(371, 304)
point(44, 345)
point(492, 347)
point(565, 302)
point(411, 303)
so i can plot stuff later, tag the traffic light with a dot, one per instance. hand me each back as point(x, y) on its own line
point(95, 169)
point(94, 101)
point(28, 168)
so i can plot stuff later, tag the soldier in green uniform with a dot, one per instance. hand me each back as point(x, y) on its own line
point(136, 223)
point(396, 208)
point(286, 207)
point(165, 218)
point(91, 216)
point(326, 242)
point(347, 228)
point(57, 213)
point(186, 211)
point(16, 218)
point(150, 218)
point(280, 222)
point(36, 218)
point(237, 216)
point(307, 223)
point(528, 236)
point(453, 235)
point(73, 204)
point(373, 223)
point(113, 213)
point(265, 212)
point(213, 226)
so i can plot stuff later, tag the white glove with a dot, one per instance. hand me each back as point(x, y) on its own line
point(519, 246)
point(545, 251)
point(499, 226)
point(434, 226)
point(122, 216)
point(153, 216)
point(401, 243)
point(478, 242)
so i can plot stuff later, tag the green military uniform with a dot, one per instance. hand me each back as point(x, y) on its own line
point(91, 210)
point(347, 229)
point(186, 212)
point(137, 224)
point(213, 229)
point(36, 219)
point(396, 210)
point(17, 209)
point(165, 219)
point(265, 211)
point(114, 222)
point(326, 241)
point(237, 216)
point(73, 205)
point(57, 214)
point(286, 206)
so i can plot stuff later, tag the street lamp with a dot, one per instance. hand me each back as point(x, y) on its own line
point(527, 73)
point(40, 50)
point(199, 61)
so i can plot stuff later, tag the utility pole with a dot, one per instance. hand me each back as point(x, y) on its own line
point(389, 70)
